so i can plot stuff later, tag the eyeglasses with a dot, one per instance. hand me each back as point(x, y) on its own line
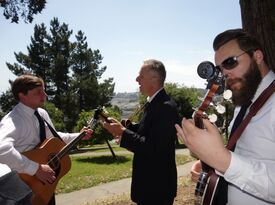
point(230, 62)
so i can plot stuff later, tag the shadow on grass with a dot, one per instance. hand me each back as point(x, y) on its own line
point(83, 150)
point(104, 159)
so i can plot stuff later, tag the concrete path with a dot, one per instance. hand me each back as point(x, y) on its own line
point(111, 189)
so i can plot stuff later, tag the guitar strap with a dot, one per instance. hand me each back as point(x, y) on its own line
point(252, 112)
point(52, 130)
point(221, 194)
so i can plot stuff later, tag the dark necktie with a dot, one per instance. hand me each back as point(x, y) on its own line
point(42, 132)
point(145, 106)
point(239, 119)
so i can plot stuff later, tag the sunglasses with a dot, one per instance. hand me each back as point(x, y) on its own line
point(230, 62)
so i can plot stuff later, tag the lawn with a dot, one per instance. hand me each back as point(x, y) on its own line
point(94, 167)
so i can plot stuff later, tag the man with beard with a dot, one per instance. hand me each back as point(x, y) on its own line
point(249, 169)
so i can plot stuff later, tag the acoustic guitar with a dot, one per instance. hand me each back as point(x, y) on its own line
point(208, 180)
point(53, 152)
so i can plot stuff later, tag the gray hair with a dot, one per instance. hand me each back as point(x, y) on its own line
point(157, 67)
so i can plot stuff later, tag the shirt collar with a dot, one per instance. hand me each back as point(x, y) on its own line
point(149, 99)
point(266, 81)
point(26, 109)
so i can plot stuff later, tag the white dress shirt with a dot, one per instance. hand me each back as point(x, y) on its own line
point(19, 132)
point(4, 169)
point(252, 167)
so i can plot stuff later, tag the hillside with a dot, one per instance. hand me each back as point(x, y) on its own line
point(127, 102)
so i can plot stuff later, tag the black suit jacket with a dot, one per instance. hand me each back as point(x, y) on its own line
point(152, 140)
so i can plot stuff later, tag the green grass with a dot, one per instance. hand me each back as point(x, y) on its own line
point(98, 148)
point(88, 171)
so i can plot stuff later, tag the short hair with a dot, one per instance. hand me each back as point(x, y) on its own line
point(24, 83)
point(157, 67)
point(246, 41)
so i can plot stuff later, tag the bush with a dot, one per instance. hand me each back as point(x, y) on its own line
point(100, 135)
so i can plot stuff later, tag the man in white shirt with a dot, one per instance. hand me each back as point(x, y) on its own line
point(250, 168)
point(20, 130)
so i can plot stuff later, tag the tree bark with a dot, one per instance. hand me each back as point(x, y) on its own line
point(258, 18)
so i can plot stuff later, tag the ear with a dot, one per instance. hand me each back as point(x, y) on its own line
point(21, 96)
point(258, 56)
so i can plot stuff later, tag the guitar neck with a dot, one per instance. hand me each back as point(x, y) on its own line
point(70, 145)
point(91, 124)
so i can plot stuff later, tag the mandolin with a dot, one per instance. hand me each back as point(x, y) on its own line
point(208, 180)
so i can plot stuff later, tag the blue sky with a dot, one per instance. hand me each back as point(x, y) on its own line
point(177, 32)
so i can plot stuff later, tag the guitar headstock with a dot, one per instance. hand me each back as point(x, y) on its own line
point(101, 114)
point(207, 70)
point(216, 84)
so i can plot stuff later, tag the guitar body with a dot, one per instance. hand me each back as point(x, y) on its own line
point(42, 155)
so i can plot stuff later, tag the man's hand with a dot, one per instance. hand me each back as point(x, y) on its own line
point(114, 127)
point(195, 171)
point(45, 174)
point(88, 133)
point(206, 144)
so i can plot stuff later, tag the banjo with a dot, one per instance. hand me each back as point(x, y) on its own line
point(208, 179)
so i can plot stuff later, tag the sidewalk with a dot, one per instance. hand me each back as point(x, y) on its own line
point(109, 189)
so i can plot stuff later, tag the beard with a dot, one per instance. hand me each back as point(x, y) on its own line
point(250, 82)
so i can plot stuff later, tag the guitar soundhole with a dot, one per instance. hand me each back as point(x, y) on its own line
point(54, 163)
point(200, 187)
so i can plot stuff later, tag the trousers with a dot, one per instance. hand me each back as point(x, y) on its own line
point(14, 191)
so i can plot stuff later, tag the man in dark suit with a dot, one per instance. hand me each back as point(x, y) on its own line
point(154, 176)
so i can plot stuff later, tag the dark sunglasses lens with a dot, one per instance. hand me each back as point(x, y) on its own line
point(230, 63)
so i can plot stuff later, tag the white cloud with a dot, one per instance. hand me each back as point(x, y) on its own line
point(183, 74)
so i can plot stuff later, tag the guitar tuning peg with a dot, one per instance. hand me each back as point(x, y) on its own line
point(213, 118)
point(220, 109)
point(227, 94)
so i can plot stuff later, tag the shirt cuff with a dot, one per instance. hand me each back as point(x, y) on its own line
point(236, 170)
point(221, 174)
point(67, 137)
point(32, 168)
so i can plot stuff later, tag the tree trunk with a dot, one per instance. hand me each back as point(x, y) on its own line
point(258, 18)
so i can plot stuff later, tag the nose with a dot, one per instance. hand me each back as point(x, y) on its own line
point(137, 78)
point(225, 72)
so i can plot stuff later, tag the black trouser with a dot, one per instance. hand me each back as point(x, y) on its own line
point(52, 201)
point(14, 191)
point(157, 202)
